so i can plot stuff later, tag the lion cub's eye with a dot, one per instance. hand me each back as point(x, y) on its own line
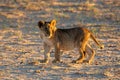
point(46, 28)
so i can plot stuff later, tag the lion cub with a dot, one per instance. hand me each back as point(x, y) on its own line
point(65, 39)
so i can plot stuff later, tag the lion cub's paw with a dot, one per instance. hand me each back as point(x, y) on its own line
point(50, 37)
point(55, 61)
point(74, 61)
point(44, 61)
point(77, 61)
point(87, 61)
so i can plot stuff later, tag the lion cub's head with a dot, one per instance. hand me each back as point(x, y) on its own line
point(48, 28)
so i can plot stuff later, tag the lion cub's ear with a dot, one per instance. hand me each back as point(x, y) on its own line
point(40, 24)
point(52, 28)
point(53, 23)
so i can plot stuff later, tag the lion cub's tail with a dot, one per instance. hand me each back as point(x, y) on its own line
point(100, 45)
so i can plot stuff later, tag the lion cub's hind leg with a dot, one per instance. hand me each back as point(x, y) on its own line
point(82, 47)
point(81, 56)
point(91, 57)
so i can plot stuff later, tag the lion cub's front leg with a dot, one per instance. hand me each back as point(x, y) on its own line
point(57, 53)
point(46, 53)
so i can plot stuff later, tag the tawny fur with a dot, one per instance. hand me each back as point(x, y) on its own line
point(66, 39)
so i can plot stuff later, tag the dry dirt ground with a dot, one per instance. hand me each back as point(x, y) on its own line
point(21, 47)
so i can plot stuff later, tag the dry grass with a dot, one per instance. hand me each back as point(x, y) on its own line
point(13, 14)
point(35, 5)
point(58, 14)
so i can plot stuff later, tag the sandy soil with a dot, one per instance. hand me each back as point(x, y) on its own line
point(21, 47)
